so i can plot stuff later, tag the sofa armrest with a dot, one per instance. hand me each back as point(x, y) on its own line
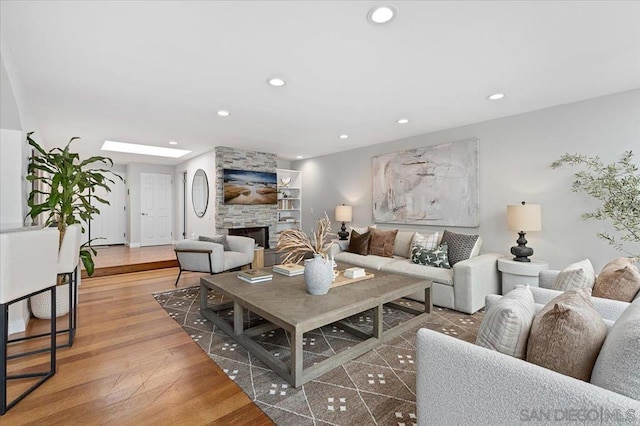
point(607, 308)
point(241, 244)
point(493, 388)
point(473, 279)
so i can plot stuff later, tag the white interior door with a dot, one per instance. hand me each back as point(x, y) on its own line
point(109, 226)
point(155, 208)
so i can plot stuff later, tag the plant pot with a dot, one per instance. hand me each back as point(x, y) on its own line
point(41, 303)
point(318, 275)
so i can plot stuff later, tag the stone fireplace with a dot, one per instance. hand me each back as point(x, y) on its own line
point(230, 218)
point(259, 233)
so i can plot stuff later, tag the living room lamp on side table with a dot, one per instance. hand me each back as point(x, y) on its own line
point(343, 214)
point(523, 218)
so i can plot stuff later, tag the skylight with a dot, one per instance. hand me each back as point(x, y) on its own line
point(133, 148)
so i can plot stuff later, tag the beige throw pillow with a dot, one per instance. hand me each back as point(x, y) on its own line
point(576, 276)
point(505, 327)
point(567, 334)
point(618, 280)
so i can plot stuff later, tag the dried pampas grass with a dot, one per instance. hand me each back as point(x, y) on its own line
point(296, 244)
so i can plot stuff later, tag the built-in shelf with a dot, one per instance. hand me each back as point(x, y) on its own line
point(289, 199)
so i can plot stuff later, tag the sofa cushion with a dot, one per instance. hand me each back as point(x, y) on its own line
point(576, 276)
point(425, 241)
point(405, 267)
point(359, 243)
point(618, 280)
point(618, 365)
point(220, 239)
point(371, 262)
point(506, 324)
point(382, 241)
point(402, 245)
point(460, 245)
point(567, 334)
point(437, 257)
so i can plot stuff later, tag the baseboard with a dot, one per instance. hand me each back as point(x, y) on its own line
point(134, 245)
point(19, 325)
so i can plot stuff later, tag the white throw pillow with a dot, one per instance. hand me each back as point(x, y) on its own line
point(505, 327)
point(402, 245)
point(618, 365)
point(576, 276)
point(360, 229)
point(425, 241)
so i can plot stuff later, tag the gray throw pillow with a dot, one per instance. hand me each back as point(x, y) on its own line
point(618, 365)
point(437, 257)
point(220, 239)
point(460, 245)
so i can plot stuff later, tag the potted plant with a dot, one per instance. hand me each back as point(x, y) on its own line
point(62, 187)
point(318, 272)
point(617, 187)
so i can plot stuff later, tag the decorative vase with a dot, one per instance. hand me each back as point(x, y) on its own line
point(318, 275)
point(41, 303)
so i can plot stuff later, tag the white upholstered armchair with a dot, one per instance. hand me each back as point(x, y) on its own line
point(206, 256)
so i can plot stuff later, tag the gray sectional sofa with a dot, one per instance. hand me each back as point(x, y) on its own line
point(462, 288)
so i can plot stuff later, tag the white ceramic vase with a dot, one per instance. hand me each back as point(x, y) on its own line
point(41, 303)
point(318, 275)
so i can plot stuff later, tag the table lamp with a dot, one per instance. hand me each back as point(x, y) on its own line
point(343, 214)
point(523, 218)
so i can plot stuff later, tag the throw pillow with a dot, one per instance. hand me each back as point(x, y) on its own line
point(362, 229)
point(220, 239)
point(617, 366)
point(425, 241)
point(402, 246)
point(576, 276)
point(567, 334)
point(618, 280)
point(359, 243)
point(460, 245)
point(381, 242)
point(505, 327)
point(437, 257)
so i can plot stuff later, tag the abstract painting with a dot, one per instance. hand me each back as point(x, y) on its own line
point(435, 185)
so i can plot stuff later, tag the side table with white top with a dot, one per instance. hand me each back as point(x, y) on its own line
point(514, 273)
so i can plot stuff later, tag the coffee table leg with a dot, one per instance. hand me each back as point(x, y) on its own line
point(296, 358)
point(427, 300)
point(203, 297)
point(377, 324)
point(238, 319)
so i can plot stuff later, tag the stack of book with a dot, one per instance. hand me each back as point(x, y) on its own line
point(354, 272)
point(253, 276)
point(290, 270)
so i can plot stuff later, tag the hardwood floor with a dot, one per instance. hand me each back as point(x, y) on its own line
point(130, 364)
point(120, 259)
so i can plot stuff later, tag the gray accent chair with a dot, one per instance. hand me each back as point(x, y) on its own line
point(205, 256)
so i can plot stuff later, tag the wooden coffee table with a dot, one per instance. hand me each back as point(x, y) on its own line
point(285, 303)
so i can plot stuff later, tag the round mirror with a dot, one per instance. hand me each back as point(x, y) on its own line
point(200, 193)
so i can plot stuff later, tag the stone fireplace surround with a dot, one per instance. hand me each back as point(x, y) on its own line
point(239, 216)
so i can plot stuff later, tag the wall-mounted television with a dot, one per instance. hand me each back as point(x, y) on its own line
point(249, 188)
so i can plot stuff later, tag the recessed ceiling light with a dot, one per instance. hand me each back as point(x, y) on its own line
point(276, 82)
point(133, 148)
point(381, 15)
point(495, 96)
point(173, 143)
point(299, 157)
point(343, 136)
point(403, 121)
point(223, 113)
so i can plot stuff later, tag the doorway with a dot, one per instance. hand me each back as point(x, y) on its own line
point(156, 208)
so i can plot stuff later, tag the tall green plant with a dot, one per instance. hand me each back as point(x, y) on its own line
point(65, 186)
point(617, 186)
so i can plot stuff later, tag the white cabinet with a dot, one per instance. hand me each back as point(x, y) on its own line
point(289, 199)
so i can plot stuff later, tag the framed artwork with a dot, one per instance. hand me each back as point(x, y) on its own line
point(435, 185)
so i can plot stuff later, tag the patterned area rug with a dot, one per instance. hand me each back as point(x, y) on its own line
point(378, 388)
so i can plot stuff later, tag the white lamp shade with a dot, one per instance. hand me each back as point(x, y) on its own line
point(524, 217)
point(343, 213)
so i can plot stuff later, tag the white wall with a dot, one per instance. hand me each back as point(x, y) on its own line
point(205, 225)
point(515, 154)
point(134, 197)
point(11, 197)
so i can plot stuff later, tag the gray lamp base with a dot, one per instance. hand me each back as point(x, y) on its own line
point(521, 251)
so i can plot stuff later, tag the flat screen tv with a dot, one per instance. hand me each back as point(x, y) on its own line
point(249, 187)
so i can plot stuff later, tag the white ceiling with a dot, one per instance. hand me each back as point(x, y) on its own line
point(150, 72)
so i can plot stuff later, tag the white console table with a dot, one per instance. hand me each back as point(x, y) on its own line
point(514, 273)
